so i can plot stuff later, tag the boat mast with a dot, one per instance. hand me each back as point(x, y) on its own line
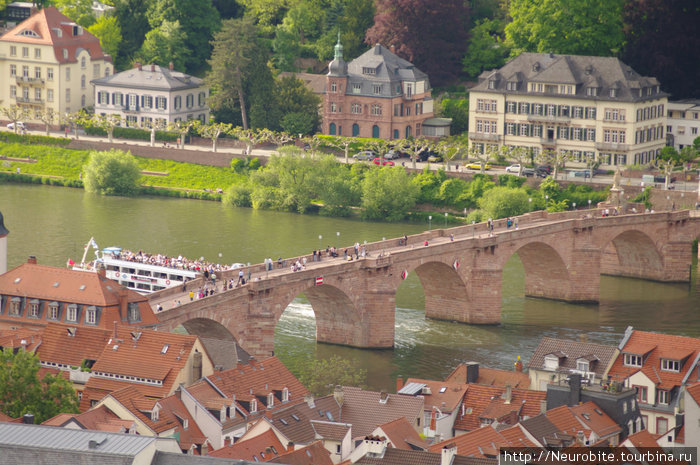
point(87, 247)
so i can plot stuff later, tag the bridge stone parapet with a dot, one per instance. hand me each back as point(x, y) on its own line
point(460, 271)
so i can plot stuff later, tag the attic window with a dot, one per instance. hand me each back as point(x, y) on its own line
point(55, 284)
point(82, 287)
point(29, 33)
point(613, 92)
point(165, 349)
point(592, 91)
point(587, 416)
point(369, 71)
point(670, 365)
point(65, 53)
point(632, 360)
point(58, 32)
point(551, 362)
point(283, 421)
point(492, 84)
point(582, 365)
point(294, 415)
point(17, 280)
point(443, 389)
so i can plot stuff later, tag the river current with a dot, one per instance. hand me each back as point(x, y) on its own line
point(55, 223)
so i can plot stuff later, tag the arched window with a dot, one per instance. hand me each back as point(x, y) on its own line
point(408, 132)
point(331, 129)
point(355, 130)
point(375, 131)
point(396, 133)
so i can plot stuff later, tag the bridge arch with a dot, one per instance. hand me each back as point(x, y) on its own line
point(206, 327)
point(632, 253)
point(446, 291)
point(546, 272)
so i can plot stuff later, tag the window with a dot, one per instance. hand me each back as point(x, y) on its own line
point(37, 94)
point(632, 360)
point(96, 70)
point(37, 72)
point(133, 101)
point(67, 95)
point(201, 98)
point(551, 362)
point(334, 107)
point(106, 71)
point(189, 101)
point(419, 108)
point(117, 98)
point(369, 71)
point(178, 102)
point(147, 101)
point(670, 365)
point(582, 365)
point(376, 109)
point(661, 425)
point(82, 81)
point(161, 103)
point(82, 101)
point(134, 313)
point(642, 392)
point(13, 70)
point(578, 112)
point(510, 129)
point(25, 71)
point(694, 131)
point(590, 112)
point(510, 107)
point(13, 51)
point(49, 74)
point(356, 108)
point(67, 74)
point(376, 88)
point(409, 89)
point(53, 311)
point(82, 62)
point(334, 87)
point(662, 396)
point(49, 95)
point(356, 88)
point(592, 91)
point(25, 52)
point(590, 134)
point(270, 400)
point(72, 314)
point(91, 316)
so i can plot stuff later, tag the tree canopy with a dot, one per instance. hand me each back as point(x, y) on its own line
point(164, 45)
point(321, 376)
point(565, 26)
point(111, 173)
point(22, 391)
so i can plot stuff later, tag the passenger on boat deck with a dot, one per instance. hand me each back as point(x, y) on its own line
point(179, 262)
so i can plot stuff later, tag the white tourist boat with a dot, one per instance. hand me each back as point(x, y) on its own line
point(141, 277)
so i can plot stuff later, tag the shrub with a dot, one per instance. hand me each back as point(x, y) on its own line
point(112, 173)
point(238, 195)
point(501, 202)
point(32, 139)
point(133, 133)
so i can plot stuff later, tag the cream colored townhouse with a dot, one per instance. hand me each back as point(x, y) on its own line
point(48, 61)
point(592, 107)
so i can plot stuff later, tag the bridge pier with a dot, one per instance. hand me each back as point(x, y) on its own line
point(581, 284)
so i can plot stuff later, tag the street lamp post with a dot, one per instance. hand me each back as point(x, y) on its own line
point(574, 205)
point(589, 204)
point(529, 203)
point(445, 220)
point(474, 227)
point(465, 213)
point(338, 236)
point(546, 201)
point(430, 222)
point(320, 238)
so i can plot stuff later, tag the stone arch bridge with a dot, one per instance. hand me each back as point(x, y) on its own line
point(460, 270)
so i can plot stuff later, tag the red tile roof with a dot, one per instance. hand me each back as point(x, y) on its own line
point(45, 24)
point(481, 442)
point(480, 400)
point(694, 391)
point(330, 430)
point(99, 419)
point(444, 395)
point(27, 337)
point(262, 448)
point(656, 346)
point(313, 454)
point(365, 412)
point(50, 284)
point(70, 345)
point(491, 377)
point(402, 435)
point(563, 418)
point(595, 419)
point(642, 439)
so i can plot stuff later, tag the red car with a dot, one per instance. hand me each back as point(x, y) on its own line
point(386, 162)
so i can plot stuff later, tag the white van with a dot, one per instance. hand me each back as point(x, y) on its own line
point(647, 180)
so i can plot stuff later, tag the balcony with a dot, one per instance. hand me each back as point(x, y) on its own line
point(546, 142)
point(485, 137)
point(29, 80)
point(613, 147)
point(549, 119)
point(30, 101)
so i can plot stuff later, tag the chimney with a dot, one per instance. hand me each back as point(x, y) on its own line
point(543, 406)
point(32, 259)
point(383, 397)
point(170, 66)
point(519, 365)
point(339, 395)
point(138, 65)
point(116, 334)
point(290, 446)
point(392, 47)
point(153, 68)
point(28, 419)
point(574, 389)
point(472, 372)
point(448, 453)
point(123, 297)
point(509, 394)
point(227, 441)
point(205, 448)
point(309, 399)
point(399, 383)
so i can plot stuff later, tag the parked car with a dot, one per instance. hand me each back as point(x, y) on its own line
point(424, 155)
point(475, 165)
point(528, 172)
point(435, 158)
point(514, 168)
point(542, 171)
point(392, 155)
point(582, 173)
point(376, 161)
point(20, 126)
point(364, 156)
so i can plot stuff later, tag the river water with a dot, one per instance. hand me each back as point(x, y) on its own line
point(55, 223)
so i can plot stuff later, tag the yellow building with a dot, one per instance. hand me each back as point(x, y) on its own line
point(591, 107)
point(48, 61)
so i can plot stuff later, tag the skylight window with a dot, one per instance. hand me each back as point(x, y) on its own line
point(283, 421)
point(82, 287)
point(443, 389)
point(295, 417)
point(165, 349)
point(17, 280)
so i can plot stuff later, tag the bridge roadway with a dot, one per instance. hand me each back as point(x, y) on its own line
point(460, 269)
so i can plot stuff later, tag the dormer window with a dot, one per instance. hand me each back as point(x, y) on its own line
point(34, 308)
point(369, 71)
point(29, 33)
point(155, 414)
point(670, 365)
point(492, 83)
point(632, 360)
point(356, 88)
point(285, 394)
point(512, 85)
point(582, 365)
point(72, 314)
point(551, 362)
point(53, 311)
point(15, 305)
point(592, 91)
point(253, 406)
point(270, 400)
point(613, 93)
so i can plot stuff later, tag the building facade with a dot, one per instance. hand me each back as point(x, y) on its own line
point(593, 108)
point(47, 62)
point(151, 94)
point(683, 123)
point(376, 95)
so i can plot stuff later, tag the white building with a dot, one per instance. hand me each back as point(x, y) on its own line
point(151, 93)
point(683, 122)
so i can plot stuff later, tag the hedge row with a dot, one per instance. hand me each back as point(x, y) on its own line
point(11, 137)
point(133, 133)
point(29, 179)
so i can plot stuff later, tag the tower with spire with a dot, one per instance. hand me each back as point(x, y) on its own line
point(336, 86)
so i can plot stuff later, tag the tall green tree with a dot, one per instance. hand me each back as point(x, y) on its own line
point(22, 392)
point(107, 29)
point(240, 79)
point(111, 173)
point(133, 23)
point(294, 97)
point(388, 194)
point(164, 45)
point(486, 48)
point(593, 27)
point(199, 21)
point(501, 202)
point(320, 376)
point(79, 11)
